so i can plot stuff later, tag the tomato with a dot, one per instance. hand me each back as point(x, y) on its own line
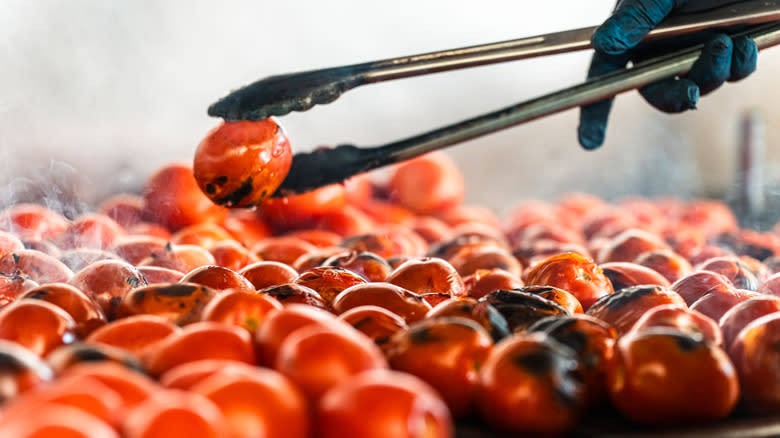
point(86, 313)
point(108, 282)
point(628, 245)
point(57, 421)
point(301, 210)
point(664, 377)
point(203, 234)
point(315, 259)
point(189, 374)
point(79, 258)
point(135, 248)
point(711, 217)
point(431, 229)
point(529, 385)
point(241, 163)
point(156, 274)
point(202, 340)
point(179, 303)
point(366, 264)
point(329, 281)
point(469, 214)
point(218, 278)
point(37, 266)
point(573, 273)
point(182, 258)
point(37, 325)
point(522, 307)
point(279, 324)
point(484, 314)
point(134, 333)
point(32, 221)
point(717, 303)
point(295, 293)
point(400, 405)
point(149, 229)
point(359, 188)
point(241, 308)
point(132, 386)
point(697, 284)
point(377, 323)
point(347, 222)
point(384, 213)
point(403, 302)
point(175, 413)
point(469, 260)
point(13, 286)
point(124, 209)
point(282, 249)
point(559, 296)
point(20, 370)
point(666, 262)
point(742, 314)
point(757, 360)
point(734, 269)
point(686, 320)
point(246, 226)
point(316, 358)
point(428, 275)
point(443, 182)
point(173, 198)
point(257, 400)
point(318, 238)
point(622, 309)
point(483, 282)
point(9, 243)
point(232, 255)
point(67, 356)
point(445, 352)
point(91, 230)
point(265, 274)
point(626, 274)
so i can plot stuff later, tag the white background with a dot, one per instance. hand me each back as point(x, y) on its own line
point(104, 92)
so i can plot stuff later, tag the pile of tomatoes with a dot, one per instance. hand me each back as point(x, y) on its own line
point(380, 307)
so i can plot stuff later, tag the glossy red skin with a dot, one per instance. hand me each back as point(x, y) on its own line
point(359, 188)
point(179, 303)
point(664, 377)
point(697, 284)
point(135, 248)
point(32, 221)
point(156, 274)
point(573, 273)
point(329, 281)
point(70, 355)
point(318, 238)
point(315, 259)
point(771, 285)
point(528, 236)
point(189, 374)
point(469, 214)
point(466, 261)
point(400, 403)
point(37, 266)
point(85, 312)
point(282, 249)
point(265, 274)
point(428, 275)
point(44, 246)
point(202, 340)
point(232, 255)
point(624, 308)
point(9, 243)
point(742, 314)
point(22, 370)
point(368, 265)
point(11, 287)
point(403, 302)
point(149, 229)
point(431, 229)
point(377, 323)
point(683, 319)
point(246, 226)
point(347, 222)
point(385, 244)
point(626, 274)
point(79, 258)
point(666, 262)
point(218, 278)
point(189, 414)
point(182, 258)
point(445, 352)
point(291, 293)
point(92, 230)
point(711, 217)
point(241, 308)
point(278, 325)
point(107, 282)
point(316, 358)
point(132, 386)
point(563, 298)
point(529, 386)
point(736, 271)
point(444, 185)
point(204, 234)
point(628, 245)
point(37, 325)
point(302, 210)
point(124, 209)
point(757, 360)
point(134, 333)
point(717, 303)
point(383, 212)
point(483, 282)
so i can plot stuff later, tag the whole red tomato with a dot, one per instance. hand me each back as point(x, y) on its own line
point(575, 274)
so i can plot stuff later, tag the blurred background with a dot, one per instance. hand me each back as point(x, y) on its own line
point(95, 95)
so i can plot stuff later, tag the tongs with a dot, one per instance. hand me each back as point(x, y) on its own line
point(278, 95)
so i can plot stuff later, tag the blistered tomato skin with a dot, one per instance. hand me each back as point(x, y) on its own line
point(239, 164)
point(573, 273)
point(623, 309)
point(757, 358)
point(742, 314)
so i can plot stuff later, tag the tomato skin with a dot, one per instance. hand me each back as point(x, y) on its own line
point(20, 370)
point(756, 358)
point(329, 281)
point(483, 282)
point(70, 355)
point(85, 312)
point(265, 274)
point(232, 255)
point(303, 210)
point(446, 353)
point(57, 421)
point(241, 308)
point(377, 323)
point(134, 333)
point(529, 385)
point(203, 234)
point(132, 386)
point(37, 266)
point(683, 319)
point(218, 278)
point(135, 248)
point(716, 303)
point(179, 303)
point(173, 198)
point(91, 230)
point(735, 319)
point(434, 171)
point(37, 325)
point(239, 164)
point(524, 306)
point(428, 275)
point(626, 274)
point(366, 264)
point(402, 406)
point(108, 282)
point(697, 284)
point(662, 376)
point(573, 273)
point(32, 222)
point(124, 209)
point(246, 226)
point(183, 258)
point(9, 243)
point(666, 262)
point(740, 276)
point(622, 309)
point(170, 412)
point(157, 274)
point(279, 324)
point(628, 245)
point(404, 303)
point(284, 249)
point(11, 287)
point(290, 293)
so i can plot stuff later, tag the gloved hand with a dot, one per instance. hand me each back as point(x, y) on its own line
point(722, 59)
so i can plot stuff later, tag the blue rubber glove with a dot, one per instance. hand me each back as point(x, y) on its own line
point(722, 59)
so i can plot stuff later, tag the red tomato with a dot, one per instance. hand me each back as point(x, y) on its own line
point(573, 273)
point(31, 221)
point(436, 172)
point(297, 211)
point(175, 413)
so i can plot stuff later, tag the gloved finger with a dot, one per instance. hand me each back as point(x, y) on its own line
point(713, 67)
point(671, 95)
point(593, 117)
point(632, 20)
point(744, 58)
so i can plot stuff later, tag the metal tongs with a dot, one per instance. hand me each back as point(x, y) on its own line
point(281, 94)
